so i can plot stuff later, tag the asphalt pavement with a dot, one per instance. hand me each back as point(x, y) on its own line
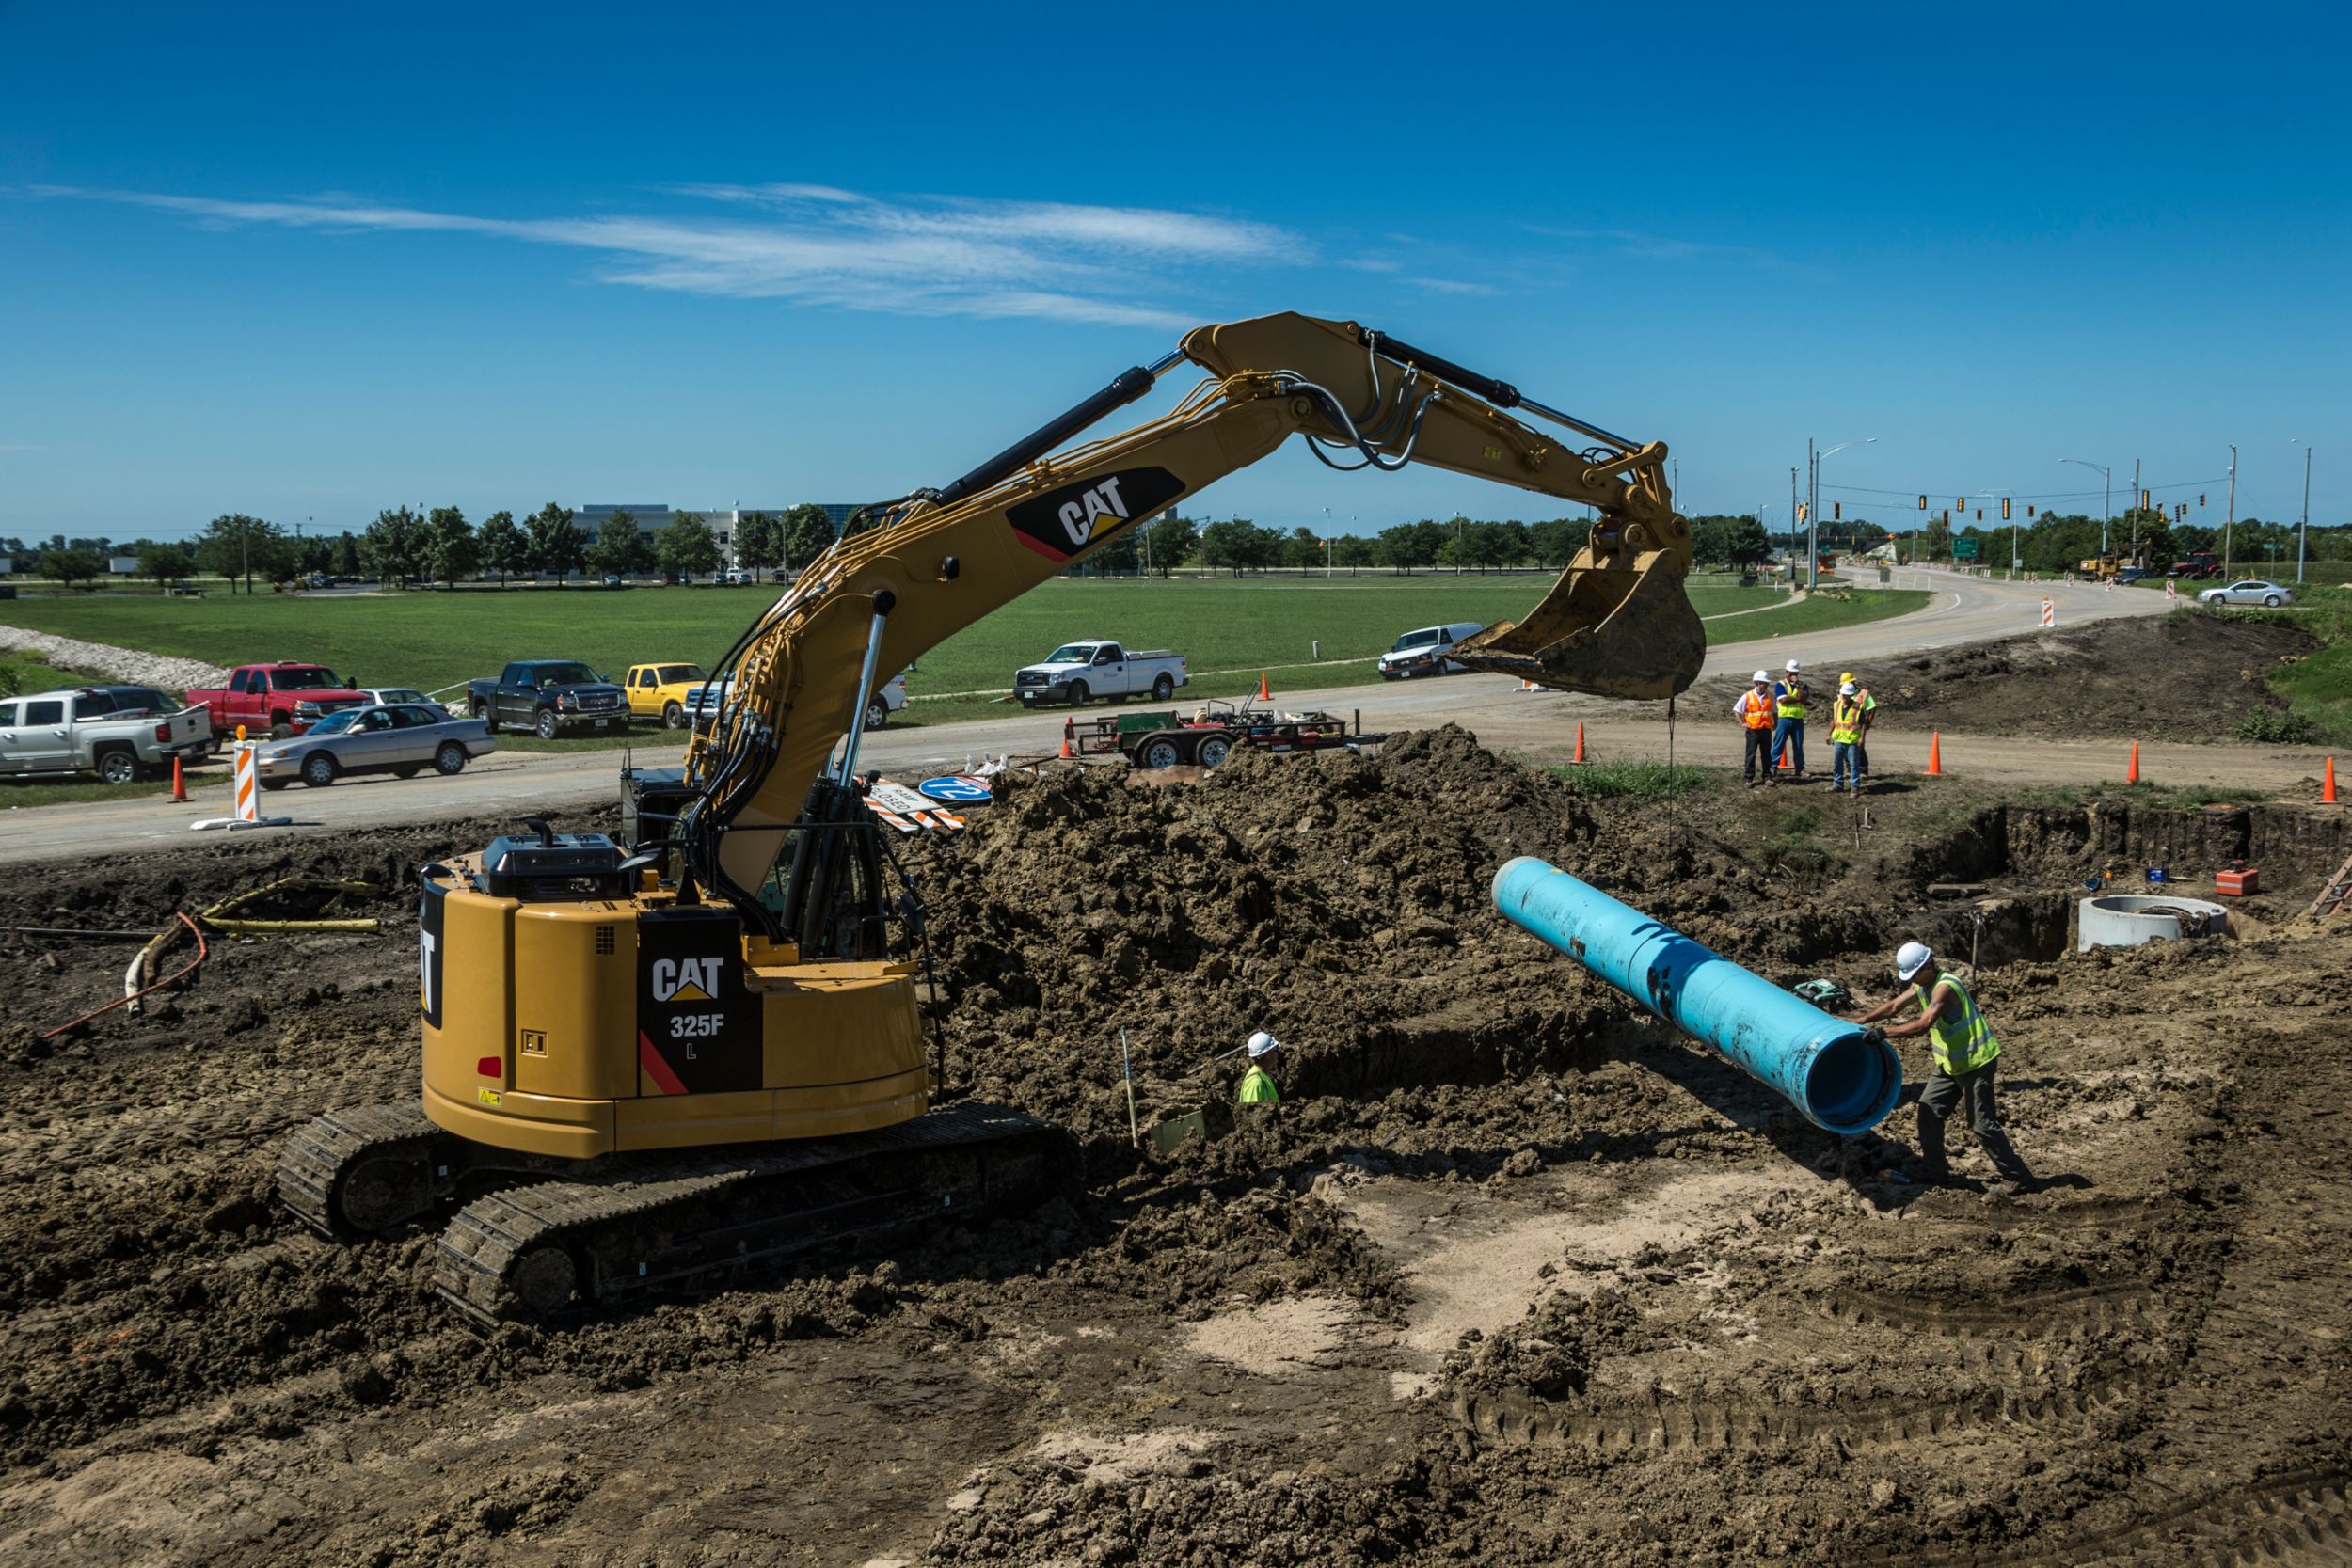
point(1540, 725)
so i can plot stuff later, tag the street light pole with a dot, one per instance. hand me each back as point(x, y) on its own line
point(2228, 522)
point(1813, 522)
point(2107, 506)
point(2303, 531)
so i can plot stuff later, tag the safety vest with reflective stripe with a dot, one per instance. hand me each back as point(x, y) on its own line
point(1792, 699)
point(1845, 721)
point(1756, 712)
point(1256, 1088)
point(1961, 1045)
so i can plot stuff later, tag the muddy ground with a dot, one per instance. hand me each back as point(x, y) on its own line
point(1516, 1278)
point(2186, 676)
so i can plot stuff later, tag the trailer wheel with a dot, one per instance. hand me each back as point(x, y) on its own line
point(1214, 750)
point(1159, 751)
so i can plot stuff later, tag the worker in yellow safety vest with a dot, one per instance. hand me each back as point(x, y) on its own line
point(1964, 1052)
point(1756, 714)
point(1869, 717)
point(1257, 1085)
point(1788, 700)
point(1845, 737)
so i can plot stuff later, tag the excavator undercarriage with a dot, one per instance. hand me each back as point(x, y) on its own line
point(653, 1064)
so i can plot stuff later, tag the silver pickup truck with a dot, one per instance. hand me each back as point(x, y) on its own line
point(116, 732)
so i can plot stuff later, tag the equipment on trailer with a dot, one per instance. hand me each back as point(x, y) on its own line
point(701, 1046)
point(1207, 737)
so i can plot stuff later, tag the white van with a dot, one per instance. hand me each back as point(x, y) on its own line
point(1422, 652)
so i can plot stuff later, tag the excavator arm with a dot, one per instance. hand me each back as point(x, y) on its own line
point(1617, 622)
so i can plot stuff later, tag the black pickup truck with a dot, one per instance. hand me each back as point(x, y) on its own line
point(550, 696)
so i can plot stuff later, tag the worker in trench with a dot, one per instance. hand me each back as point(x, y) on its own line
point(1257, 1084)
point(1966, 1054)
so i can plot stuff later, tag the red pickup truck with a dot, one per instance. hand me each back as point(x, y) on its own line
point(276, 700)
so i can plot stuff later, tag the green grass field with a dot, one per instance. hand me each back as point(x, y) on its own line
point(1229, 630)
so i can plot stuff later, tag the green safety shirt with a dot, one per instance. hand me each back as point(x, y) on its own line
point(1845, 721)
point(1789, 695)
point(1256, 1088)
point(1961, 1045)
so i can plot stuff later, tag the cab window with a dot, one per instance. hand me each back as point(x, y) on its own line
point(44, 713)
point(1107, 655)
point(241, 681)
point(92, 707)
point(7, 716)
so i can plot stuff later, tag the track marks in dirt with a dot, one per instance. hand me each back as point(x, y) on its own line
point(2298, 1520)
point(2058, 1311)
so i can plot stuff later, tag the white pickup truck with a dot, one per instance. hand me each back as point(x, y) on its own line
point(1075, 673)
point(116, 732)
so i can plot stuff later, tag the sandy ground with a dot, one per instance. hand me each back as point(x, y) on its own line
point(1516, 1277)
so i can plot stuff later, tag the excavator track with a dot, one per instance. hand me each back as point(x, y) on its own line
point(373, 1169)
point(541, 1250)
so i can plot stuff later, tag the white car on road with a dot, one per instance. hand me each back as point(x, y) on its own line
point(2249, 591)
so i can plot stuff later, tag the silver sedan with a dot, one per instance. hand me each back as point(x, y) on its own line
point(2249, 591)
point(403, 738)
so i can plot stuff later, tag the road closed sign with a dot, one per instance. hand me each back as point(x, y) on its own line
point(960, 789)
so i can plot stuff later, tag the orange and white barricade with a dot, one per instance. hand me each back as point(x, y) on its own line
point(246, 792)
point(2049, 612)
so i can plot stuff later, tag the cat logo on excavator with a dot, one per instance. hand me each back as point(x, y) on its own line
point(1065, 522)
point(686, 979)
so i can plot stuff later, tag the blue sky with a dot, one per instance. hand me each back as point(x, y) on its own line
point(310, 262)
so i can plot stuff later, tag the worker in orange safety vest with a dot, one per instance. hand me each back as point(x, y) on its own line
point(1757, 713)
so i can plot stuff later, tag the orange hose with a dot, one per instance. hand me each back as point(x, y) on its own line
point(203, 948)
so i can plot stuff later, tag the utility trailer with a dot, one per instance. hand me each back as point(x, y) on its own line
point(1207, 737)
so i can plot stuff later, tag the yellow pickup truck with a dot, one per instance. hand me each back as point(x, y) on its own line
point(660, 691)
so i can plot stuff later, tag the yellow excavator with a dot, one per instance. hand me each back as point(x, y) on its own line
point(703, 1048)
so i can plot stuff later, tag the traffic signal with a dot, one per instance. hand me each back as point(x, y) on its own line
point(1838, 511)
point(1923, 503)
point(2200, 497)
point(2143, 500)
point(1980, 513)
point(1801, 507)
point(1961, 505)
point(2005, 509)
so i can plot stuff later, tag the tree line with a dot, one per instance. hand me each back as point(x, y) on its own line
point(406, 544)
point(1239, 545)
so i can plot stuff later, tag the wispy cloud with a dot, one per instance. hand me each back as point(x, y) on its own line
point(817, 245)
point(1660, 247)
point(18, 446)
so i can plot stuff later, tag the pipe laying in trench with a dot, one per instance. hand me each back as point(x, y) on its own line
point(1834, 1075)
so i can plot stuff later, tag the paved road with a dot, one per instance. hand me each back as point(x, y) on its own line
point(1539, 725)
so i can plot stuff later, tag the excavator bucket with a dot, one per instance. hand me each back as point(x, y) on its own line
point(1607, 630)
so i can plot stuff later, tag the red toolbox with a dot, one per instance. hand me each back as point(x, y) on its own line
point(2236, 884)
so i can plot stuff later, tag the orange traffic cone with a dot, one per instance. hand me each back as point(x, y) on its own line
point(1263, 695)
point(178, 784)
point(1068, 733)
point(2328, 785)
point(2130, 773)
point(1785, 748)
point(1935, 755)
point(1580, 740)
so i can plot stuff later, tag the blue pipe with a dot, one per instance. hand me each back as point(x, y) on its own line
point(1828, 1069)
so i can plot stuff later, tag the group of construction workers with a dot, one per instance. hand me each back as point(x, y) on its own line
point(1772, 715)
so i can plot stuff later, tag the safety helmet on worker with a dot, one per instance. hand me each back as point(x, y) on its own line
point(1793, 666)
point(1911, 958)
point(1763, 677)
point(1847, 690)
point(1261, 1043)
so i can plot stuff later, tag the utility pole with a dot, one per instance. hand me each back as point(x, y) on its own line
point(2228, 522)
point(1793, 524)
point(1812, 516)
point(2135, 510)
point(2303, 531)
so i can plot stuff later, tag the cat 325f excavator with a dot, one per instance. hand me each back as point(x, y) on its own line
point(658, 1060)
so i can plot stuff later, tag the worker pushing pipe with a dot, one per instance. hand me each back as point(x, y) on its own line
point(1830, 1070)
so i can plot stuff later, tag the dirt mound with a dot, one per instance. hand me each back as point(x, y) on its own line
point(1514, 1277)
point(2186, 676)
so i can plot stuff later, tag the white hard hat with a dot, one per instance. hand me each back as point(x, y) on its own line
point(1911, 958)
point(1792, 666)
point(1762, 675)
point(1262, 1042)
point(1847, 690)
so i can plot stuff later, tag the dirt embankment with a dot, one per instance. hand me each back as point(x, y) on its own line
point(1517, 1277)
point(2155, 678)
